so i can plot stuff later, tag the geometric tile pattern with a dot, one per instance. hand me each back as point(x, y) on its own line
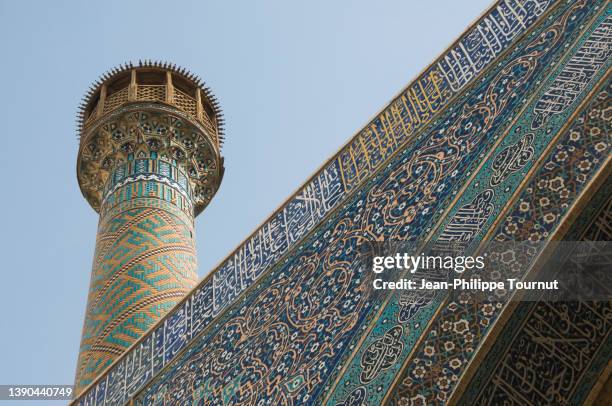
point(148, 138)
point(293, 323)
point(572, 340)
point(144, 263)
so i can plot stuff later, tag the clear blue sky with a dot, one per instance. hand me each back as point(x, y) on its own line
point(295, 79)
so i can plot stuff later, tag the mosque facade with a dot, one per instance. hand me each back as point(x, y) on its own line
point(504, 138)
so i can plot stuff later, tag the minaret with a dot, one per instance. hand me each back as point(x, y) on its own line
point(149, 161)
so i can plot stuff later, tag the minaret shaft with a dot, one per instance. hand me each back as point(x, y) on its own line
point(144, 263)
